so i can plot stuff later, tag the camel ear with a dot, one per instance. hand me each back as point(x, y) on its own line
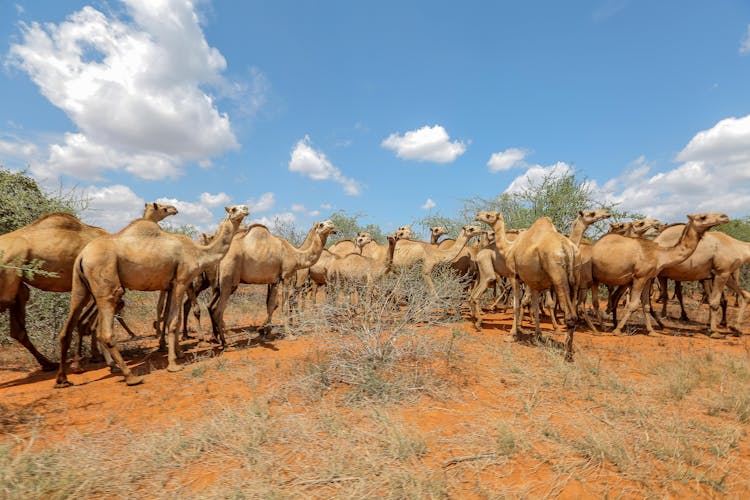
point(580, 212)
point(155, 205)
point(228, 209)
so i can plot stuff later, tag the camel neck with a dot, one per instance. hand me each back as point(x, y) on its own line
point(684, 247)
point(219, 245)
point(306, 257)
point(387, 258)
point(576, 234)
point(451, 253)
point(501, 240)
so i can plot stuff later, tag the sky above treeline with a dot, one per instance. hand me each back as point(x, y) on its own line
point(387, 110)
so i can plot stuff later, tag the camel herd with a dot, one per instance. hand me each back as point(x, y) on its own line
point(539, 262)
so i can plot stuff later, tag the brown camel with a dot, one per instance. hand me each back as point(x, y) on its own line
point(542, 258)
point(259, 257)
point(620, 260)
point(313, 277)
point(408, 252)
point(55, 239)
point(717, 258)
point(360, 269)
point(140, 257)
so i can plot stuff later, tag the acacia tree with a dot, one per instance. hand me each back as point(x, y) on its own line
point(559, 196)
point(347, 227)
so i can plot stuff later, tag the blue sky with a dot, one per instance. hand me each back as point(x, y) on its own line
point(389, 109)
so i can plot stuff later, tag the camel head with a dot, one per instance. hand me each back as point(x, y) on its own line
point(592, 216)
point(705, 220)
point(471, 231)
point(362, 239)
point(205, 238)
point(236, 213)
point(438, 231)
point(619, 227)
point(404, 232)
point(157, 211)
point(646, 227)
point(325, 228)
point(489, 217)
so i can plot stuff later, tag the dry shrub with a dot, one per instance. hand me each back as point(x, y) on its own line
point(373, 338)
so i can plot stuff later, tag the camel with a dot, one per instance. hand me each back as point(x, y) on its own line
point(436, 232)
point(55, 239)
point(316, 275)
point(543, 258)
point(717, 258)
point(140, 257)
point(259, 257)
point(409, 252)
point(404, 232)
point(620, 260)
point(360, 269)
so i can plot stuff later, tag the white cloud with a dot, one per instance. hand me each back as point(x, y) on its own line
point(17, 150)
point(275, 221)
point(535, 174)
point(425, 144)
point(111, 207)
point(712, 177)
point(189, 213)
point(132, 86)
point(429, 204)
point(505, 160)
point(263, 204)
point(215, 200)
point(314, 164)
point(326, 206)
point(745, 43)
point(298, 207)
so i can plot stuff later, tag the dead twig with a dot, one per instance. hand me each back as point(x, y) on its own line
point(458, 460)
point(315, 482)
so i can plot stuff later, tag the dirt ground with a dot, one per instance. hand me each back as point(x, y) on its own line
point(632, 417)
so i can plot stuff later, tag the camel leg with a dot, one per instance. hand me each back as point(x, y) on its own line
point(18, 327)
point(271, 301)
point(714, 303)
point(535, 299)
point(515, 330)
point(176, 294)
point(482, 283)
point(79, 297)
point(614, 300)
point(107, 308)
point(634, 302)
point(216, 309)
point(86, 326)
point(742, 297)
point(646, 300)
point(563, 293)
point(678, 294)
point(664, 295)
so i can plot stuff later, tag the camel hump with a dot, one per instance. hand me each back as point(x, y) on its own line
point(62, 220)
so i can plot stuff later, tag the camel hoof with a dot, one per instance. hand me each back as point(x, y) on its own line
point(617, 333)
point(62, 384)
point(717, 336)
point(133, 380)
point(735, 331)
point(114, 369)
point(175, 368)
point(75, 369)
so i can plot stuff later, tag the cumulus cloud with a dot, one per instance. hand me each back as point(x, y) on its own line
point(425, 144)
point(535, 174)
point(215, 200)
point(111, 207)
point(133, 87)
point(13, 149)
point(505, 160)
point(712, 177)
point(263, 204)
point(429, 204)
point(745, 43)
point(314, 164)
point(276, 221)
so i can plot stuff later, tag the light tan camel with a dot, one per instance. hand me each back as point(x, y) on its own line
point(55, 239)
point(404, 232)
point(140, 257)
point(360, 269)
point(620, 260)
point(314, 277)
point(409, 252)
point(259, 257)
point(542, 258)
point(436, 232)
point(717, 258)
point(490, 262)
